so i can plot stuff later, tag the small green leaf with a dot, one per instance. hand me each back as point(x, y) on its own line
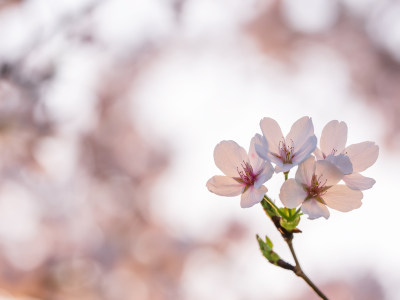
point(274, 258)
point(269, 208)
point(269, 242)
point(266, 250)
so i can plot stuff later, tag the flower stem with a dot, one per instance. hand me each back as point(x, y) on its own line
point(286, 175)
point(299, 272)
point(273, 212)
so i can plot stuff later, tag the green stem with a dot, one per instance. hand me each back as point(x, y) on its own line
point(286, 175)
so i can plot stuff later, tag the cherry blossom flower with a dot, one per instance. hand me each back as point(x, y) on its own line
point(315, 187)
point(350, 160)
point(245, 173)
point(287, 152)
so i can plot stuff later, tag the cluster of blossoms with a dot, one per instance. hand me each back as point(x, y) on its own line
point(320, 170)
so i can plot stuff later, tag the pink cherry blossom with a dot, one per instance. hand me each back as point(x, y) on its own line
point(245, 173)
point(287, 152)
point(315, 187)
point(350, 160)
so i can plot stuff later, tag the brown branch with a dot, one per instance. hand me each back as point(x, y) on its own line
point(299, 272)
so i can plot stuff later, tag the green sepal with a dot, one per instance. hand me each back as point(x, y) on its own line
point(286, 212)
point(290, 218)
point(291, 223)
point(266, 250)
point(285, 219)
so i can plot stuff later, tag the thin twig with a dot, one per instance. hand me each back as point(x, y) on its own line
point(288, 237)
point(299, 272)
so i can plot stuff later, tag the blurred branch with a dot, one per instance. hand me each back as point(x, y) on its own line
point(374, 71)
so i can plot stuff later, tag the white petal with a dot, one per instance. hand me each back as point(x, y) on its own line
point(272, 133)
point(228, 156)
point(356, 181)
point(252, 196)
point(224, 186)
point(276, 160)
point(255, 160)
point(341, 198)
point(318, 154)
point(283, 167)
point(305, 171)
point(301, 130)
point(333, 137)
point(306, 150)
point(342, 162)
point(265, 175)
point(315, 209)
point(327, 172)
point(261, 146)
point(292, 193)
point(362, 155)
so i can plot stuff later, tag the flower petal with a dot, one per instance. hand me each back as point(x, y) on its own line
point(292, 193)
point(306, 150)
point(224, 186)
point(342, 198)
point(342, 162)
point(301, 130)
point(356, 181)
point(256, 161)
point(327, 172)
point(333, 137)
point(252, 196)
point(272, 133)
point(283, 167)
point(228, 156)
point(276, 160)
point(305, 171)
point(261, 146)
point(318, 154)
point(315, 209)
point(362, 155)
point(265, 175)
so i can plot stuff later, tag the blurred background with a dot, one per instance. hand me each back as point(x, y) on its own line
point(109, 114)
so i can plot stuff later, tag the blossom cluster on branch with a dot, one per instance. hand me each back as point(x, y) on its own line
point(317, 182)
point(315, 186)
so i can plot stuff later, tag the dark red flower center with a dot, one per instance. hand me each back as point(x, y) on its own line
point(246, 174)
point(286, 151)
point(317, 188)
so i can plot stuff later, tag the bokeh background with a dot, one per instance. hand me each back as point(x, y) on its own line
point(109, 114)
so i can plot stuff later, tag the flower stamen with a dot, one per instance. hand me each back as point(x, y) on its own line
point(286, 151)
point(247, 175)
point(317, 188)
